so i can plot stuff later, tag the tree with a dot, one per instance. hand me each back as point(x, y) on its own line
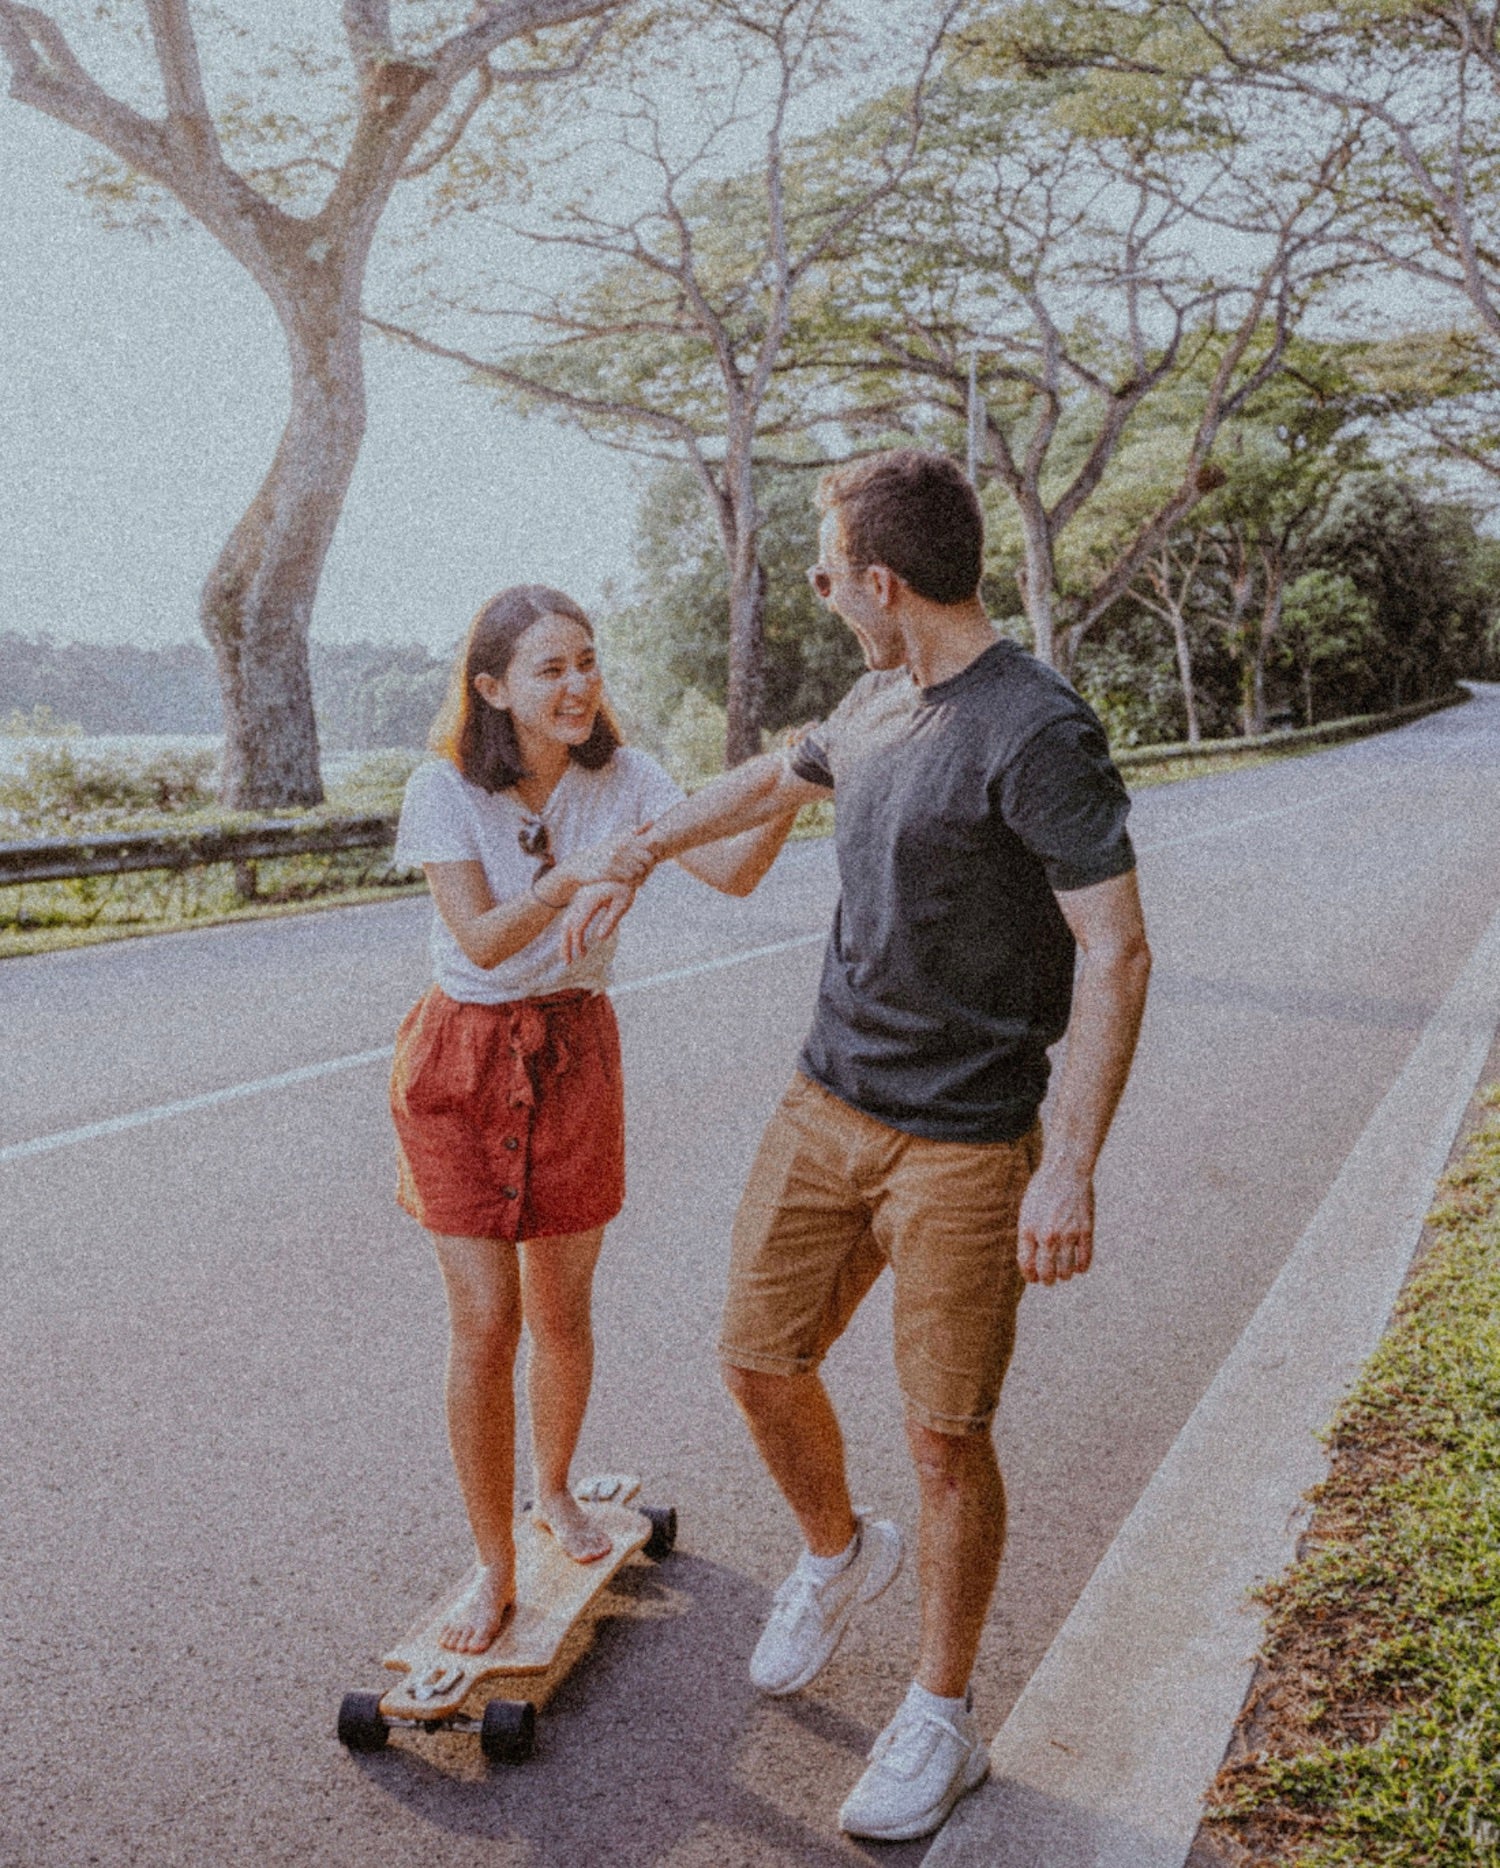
point(414, 98)
point(1427, 580)
point(669, 341)
point(1422, 80)
point(1413, 86)
point(1326, 629)
point(673, 639)
point(1166, 586)
point(1439, 389)
point(1043, 276)
point(1286, 468)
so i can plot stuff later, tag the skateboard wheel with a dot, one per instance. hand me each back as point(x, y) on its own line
point(508, 1733)
point(663, 1529)
point(362, 1725)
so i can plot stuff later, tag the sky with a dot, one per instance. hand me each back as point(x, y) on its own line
point(142, 389)
point(143, 386)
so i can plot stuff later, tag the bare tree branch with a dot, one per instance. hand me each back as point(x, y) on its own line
point(494, 24)
point(47, 74)
point(425, 163)
point(177, 56)
point(367, 27)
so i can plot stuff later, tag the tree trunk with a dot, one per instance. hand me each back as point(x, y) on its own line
point(747, 658)
point(1185, 673)
point(257, 603)
point(1038, 581)
point(1265, 635)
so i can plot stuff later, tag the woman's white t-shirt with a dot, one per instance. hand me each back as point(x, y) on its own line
point(445, 819)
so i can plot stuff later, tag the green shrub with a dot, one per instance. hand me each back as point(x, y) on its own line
point(58, 790)
point(694, 747)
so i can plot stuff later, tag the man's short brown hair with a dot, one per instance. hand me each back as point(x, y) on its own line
point(914, 512)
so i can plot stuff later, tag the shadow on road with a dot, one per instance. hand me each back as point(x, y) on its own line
point(649, 1749)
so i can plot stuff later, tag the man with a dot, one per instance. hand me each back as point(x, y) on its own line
point(980, 836)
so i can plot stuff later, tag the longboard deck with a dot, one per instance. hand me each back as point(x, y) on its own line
point(552, 1592)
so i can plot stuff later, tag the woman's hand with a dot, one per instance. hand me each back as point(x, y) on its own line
point(592, 916)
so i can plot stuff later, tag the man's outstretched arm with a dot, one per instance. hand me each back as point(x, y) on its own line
point(751, 794)
point(1056, 1233)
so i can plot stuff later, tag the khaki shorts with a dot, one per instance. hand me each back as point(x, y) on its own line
point(834, 1196)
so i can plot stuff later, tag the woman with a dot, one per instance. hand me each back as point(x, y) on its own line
point(506, 1089)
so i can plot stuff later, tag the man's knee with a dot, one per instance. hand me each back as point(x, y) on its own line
point(951, 1461)
point(758, 1391)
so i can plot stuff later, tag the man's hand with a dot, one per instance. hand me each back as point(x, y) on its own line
point(1055, 1237)
point(592, 916)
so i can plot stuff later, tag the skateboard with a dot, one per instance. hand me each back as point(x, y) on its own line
point(552, 1594)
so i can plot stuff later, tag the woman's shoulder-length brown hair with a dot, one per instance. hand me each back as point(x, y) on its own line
point(480, 739)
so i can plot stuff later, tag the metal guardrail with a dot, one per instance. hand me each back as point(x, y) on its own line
point(115, 853)
point(120, 852)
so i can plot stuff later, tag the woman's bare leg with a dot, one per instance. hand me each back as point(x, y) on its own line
point(484, 1310)
point(557, 1284)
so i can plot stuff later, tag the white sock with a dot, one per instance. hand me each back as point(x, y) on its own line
point(822, 1568)
point(920, 1700)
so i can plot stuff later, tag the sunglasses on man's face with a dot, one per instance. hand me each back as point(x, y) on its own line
point(821, 576)
point(535, 840)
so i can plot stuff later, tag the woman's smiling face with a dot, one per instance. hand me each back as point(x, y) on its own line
point(553, 687)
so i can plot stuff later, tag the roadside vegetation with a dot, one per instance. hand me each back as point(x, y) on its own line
point(63, 789)
point(1372, 1735)
point(60, 789)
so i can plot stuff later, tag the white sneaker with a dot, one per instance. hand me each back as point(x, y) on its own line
point(920, 1766)
point(809, 1617)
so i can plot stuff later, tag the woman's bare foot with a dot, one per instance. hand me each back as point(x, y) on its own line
point(479, 1613)
point(581, 1539)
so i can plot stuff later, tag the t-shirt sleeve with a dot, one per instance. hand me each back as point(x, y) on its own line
point(1066, 802)
point(816, 754)
point(810, 757)
point(435, 826)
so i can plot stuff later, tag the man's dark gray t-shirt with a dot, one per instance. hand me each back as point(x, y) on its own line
point(960, 809)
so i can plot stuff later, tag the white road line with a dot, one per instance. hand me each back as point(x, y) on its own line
point(1106, 1754)
point(308, 1073)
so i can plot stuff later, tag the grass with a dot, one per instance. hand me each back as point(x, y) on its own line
point(1143, 777)
point(1372, 1736)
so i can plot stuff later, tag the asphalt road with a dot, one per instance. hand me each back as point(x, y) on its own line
point(227, 1488)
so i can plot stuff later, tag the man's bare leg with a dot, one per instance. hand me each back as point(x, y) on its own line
point(484, 1310)
point(960, 1542)
point(797, 1434)
point(557, 1282)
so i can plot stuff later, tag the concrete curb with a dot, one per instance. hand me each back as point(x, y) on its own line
point(1106, 1755)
